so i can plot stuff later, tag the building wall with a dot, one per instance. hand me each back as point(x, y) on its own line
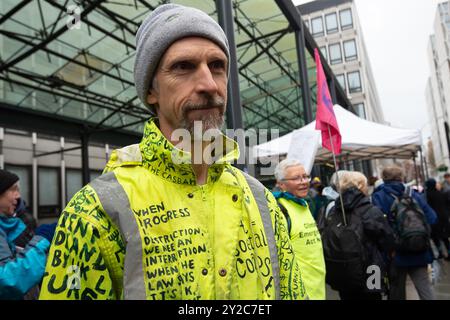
point(56, 181)
point(438, 86)
point(365, 99)
point(437, 130)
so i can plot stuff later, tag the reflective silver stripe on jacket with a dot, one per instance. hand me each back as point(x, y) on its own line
point(260, 197)
point(117, 206)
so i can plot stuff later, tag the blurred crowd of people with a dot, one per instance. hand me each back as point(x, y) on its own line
point(373, 204)
point(345, 223)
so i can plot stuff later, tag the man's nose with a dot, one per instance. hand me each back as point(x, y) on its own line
point(205, 80)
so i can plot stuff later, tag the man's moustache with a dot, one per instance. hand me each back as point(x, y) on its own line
point(218, 103)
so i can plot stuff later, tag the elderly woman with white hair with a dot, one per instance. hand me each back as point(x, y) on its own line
point(373, 240)
point(293, 182)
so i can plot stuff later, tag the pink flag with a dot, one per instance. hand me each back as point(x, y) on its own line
point(325, 117)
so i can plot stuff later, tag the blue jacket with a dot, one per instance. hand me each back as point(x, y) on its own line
point(383, 199)
point(19, 270)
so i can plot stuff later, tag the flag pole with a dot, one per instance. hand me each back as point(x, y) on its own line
point(337, 176)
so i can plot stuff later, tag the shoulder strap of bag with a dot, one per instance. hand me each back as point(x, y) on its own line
point(286, 214)
point(329, 207)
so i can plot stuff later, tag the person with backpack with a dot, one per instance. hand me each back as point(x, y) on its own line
point(355, 247)
point(410, 216)
point(293, 183)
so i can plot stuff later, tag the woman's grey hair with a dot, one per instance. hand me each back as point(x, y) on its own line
point(334, 178)
point(281, 168)
point(352, 179)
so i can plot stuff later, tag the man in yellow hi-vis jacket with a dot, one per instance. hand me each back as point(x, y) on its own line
point(294, 184)
point(158, 224)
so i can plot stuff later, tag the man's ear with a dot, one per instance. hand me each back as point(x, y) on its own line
point(152, 97)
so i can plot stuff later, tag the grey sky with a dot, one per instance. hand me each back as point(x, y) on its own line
point(396, 33)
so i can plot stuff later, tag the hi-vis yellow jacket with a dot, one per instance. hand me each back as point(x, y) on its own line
point(307, 245)
point(146, 230)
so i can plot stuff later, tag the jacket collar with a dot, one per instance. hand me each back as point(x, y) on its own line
point(352, 198)
point(393, 187)
point(290, 196)
point(12, 226)
point(165, 160)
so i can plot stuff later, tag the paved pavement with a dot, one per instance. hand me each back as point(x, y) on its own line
point(441, 287)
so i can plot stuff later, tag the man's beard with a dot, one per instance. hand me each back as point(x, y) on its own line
point(210, 120)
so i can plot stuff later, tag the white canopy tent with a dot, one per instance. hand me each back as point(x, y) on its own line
point(361, 140)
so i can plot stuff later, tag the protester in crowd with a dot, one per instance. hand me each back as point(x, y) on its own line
point(358, 244)
point(371, 184)
point(312, 194)
point(314, 184)
point(446, 183)
point(441, 229)
point(170, 218)
point(316, 200)
point(407, 261)
point(320, 201)
point(22, 255)
point(294, 184)
point(331, 194)
point(27, 218)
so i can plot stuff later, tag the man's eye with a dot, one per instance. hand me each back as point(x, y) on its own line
point(217, 65)
point(183, 66)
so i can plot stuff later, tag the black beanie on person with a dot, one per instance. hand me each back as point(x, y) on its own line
point(7, 179)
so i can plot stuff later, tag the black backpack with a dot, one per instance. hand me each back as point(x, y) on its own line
point(346, 257)
point(409, 223)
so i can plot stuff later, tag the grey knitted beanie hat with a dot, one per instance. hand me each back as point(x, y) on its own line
point(161, 28)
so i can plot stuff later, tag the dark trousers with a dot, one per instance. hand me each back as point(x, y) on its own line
point(418, 275)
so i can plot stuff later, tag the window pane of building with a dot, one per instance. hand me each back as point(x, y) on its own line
point(331, 22)
point(354, 82)
point(24, 174)
point(317, 26)
point(346, 19)
point(350, 50)
point(324, 51)
point(74, 182)
point(335, 53)
point(48, 186)
point(341, 79)
point(361, 110)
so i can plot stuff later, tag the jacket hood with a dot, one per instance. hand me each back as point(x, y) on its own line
point(395, 187)
point(352, 198)
point(12, 226)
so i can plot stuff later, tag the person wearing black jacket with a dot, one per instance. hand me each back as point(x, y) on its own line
point(440, 204)
point(378, 237)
